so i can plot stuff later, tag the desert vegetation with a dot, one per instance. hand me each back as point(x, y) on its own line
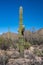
point(28, 49)
point(24, 48)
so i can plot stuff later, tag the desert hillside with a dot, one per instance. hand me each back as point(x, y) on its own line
point(34, 37)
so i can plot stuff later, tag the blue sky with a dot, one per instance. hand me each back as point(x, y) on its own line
point(9, 14)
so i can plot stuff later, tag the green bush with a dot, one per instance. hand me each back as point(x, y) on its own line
point(27, 45)
point(15, 46)
point(4, 43)
point(38, 52)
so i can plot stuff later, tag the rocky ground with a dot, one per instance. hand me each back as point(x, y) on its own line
point(31, 56)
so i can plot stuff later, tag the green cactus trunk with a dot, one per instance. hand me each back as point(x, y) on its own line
point(21, 46)
point(21, 39)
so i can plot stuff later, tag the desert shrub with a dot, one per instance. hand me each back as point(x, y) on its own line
point(15, 46)
point(42, 53)
point(34, 38)
point(38, 52)
point(4, 43)
point(27, 45)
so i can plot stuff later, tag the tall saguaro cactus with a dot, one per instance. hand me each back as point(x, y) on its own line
point(21, 31)
point(20, 20)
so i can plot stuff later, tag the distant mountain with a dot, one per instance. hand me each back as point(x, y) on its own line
point(36, 37)
point(11, 35)
point(28, 36)
point(40, 32)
